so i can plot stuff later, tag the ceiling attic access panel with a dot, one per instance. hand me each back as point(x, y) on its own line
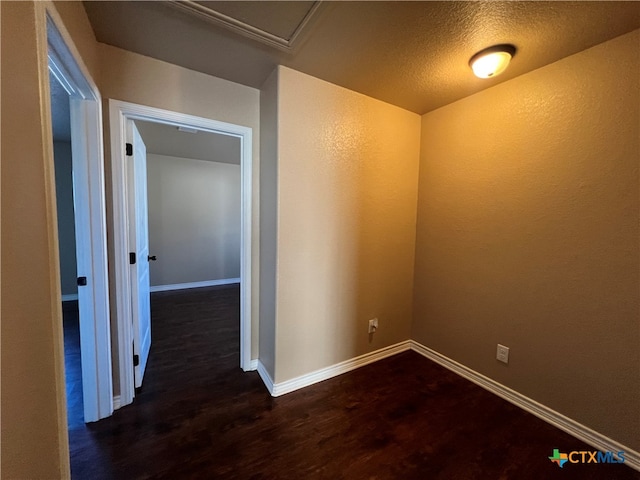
point(276, 24)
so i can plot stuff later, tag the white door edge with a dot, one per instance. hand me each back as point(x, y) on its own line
point(139, 244)
point(119, 113)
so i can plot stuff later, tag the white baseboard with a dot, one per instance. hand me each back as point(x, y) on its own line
point(116, 402)
point(266, 378)
point(69, 297)
point(566, 424)
point(184, 286)
point(277, 389)
point(253, 365)
point(558, 420)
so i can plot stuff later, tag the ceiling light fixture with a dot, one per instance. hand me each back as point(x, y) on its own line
point(492, 61)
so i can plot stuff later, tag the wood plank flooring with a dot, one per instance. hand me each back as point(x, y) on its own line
point(200, 416)
point(73, 370)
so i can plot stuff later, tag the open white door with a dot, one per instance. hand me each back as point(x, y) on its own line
point(96, 404)
point(89, 216)
point(139, 250)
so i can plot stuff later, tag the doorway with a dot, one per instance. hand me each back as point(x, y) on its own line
point(184, 187)
point(62, 158)
point(120, 114)
point(89, 218)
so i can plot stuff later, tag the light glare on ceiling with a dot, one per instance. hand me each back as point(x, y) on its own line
point(492, 61)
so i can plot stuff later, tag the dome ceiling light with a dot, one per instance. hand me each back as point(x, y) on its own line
point(492, 61)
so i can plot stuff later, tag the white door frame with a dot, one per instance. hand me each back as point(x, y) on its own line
point(119, 112)
point(89, 204)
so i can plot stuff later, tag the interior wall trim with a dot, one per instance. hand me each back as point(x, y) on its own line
point(282, 388)
point(558, 420)
point(184, 286)
point(266, 378)
point(63, 60)
point(119, 113)
point(240, 27)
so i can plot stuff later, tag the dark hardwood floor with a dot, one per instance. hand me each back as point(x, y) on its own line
point(200, 416)
point(73, 369)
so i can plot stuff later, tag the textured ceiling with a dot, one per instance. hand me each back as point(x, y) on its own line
point(168, 140)
point(411, 54)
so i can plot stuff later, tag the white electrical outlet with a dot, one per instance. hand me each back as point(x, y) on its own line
point(373, 325)
point(502, 354)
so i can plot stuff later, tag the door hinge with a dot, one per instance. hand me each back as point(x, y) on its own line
point(132, 258)
point(129, 149)
point(136, 360)
point(82, 281)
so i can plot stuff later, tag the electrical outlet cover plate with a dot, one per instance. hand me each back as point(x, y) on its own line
point(502, 354)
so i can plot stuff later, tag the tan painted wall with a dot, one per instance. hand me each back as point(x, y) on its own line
point(77, 23)
point(347, 192)
point(34, 432)
point(194, 219)
point(138, 79)
point(528, 235)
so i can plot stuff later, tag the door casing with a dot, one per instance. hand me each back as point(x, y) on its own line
point(90, 212)
point(119, 113)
